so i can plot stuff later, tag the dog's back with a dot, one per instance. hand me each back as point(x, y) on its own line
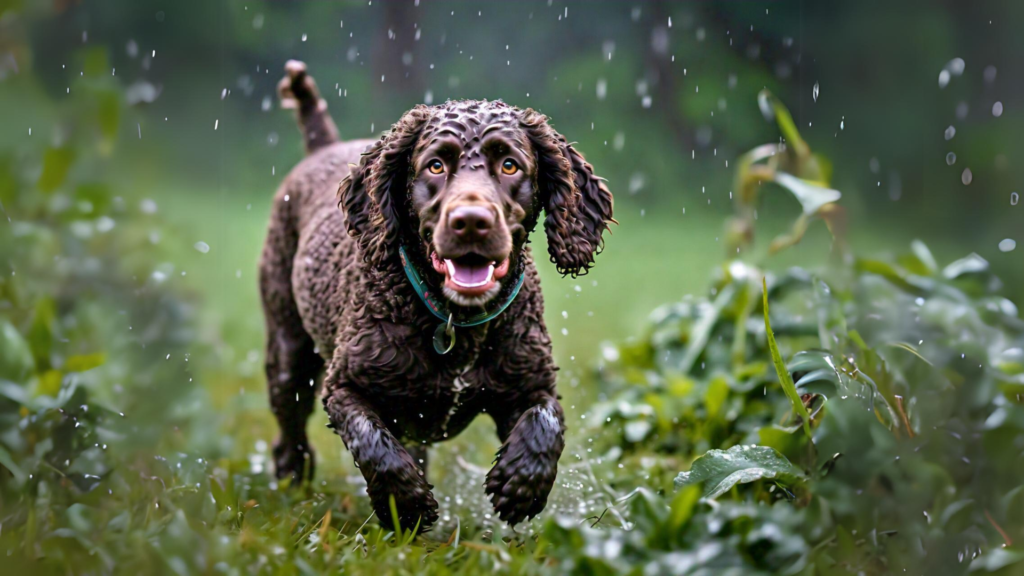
point(308, 255)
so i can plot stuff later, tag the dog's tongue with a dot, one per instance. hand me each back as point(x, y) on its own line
point(469, 274)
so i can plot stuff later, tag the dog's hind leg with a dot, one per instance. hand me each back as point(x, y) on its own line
point(292, 364)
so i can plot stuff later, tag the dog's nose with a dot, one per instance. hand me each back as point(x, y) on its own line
point(471, 221)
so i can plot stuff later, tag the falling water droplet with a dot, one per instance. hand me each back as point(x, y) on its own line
point(202, 247)
point(950, 159)
point(1014, 198)
point(1007, 245)
point(967, 176)
point(814, 92)
point(950, 132)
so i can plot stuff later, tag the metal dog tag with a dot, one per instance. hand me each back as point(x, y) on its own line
point(444, 337)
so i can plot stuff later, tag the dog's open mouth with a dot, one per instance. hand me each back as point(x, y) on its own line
point(469, 275)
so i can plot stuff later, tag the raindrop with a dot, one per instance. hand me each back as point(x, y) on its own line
point(950, 159)
point(1014, 198)
point(967, 176)
point(990, 74)
point(814, 92)
point(202, 247)
point(602, 88)
point(950, 132)
point(943, 78)
point(1007, 245)
point(997, 109)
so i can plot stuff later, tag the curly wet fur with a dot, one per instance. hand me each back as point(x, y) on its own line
point(336, 301)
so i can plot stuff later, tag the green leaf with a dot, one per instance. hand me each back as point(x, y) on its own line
point(109, 114)
point(773, 109)
point(40, 333)
point(701, 331)
point(7, 462)
point(56, 165)
point(780, 368)
point(720, 470)
point(682, 508)
point(84, 362)
point(811, 195)
point(920, 249)
point(997, 559)
point(16, 362)
point(970, 264)
point(714, 398)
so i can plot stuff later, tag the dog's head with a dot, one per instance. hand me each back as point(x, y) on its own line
point(461, 186)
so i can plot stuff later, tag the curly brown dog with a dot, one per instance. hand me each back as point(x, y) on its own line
point(420, 296)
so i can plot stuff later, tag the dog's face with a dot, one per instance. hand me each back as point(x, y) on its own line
point(462, 185)
point(472, 189)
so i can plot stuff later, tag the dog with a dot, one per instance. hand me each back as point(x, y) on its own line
point(410, 287)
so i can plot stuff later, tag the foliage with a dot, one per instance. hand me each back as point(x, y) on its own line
point(908, 379)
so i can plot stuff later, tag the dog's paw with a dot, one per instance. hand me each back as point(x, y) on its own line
point(414, 502)
point(519, 483)
point(294, 459)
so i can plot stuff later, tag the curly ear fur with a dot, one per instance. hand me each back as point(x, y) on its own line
point(577, 203)
point(373, 195)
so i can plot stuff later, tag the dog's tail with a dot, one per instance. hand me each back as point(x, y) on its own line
point(298, 90)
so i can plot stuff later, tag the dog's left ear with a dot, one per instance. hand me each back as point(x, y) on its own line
point(577, 202)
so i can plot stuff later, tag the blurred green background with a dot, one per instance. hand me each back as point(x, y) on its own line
point(152, 130)
point(660, 97)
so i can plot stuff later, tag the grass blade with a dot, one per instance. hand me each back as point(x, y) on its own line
point(780, 368)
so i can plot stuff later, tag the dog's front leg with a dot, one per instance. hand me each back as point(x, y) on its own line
point(388, 468)
point(525, 467)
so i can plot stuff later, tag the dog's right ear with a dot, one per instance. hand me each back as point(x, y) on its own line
point(374, 195)
point(353, 198)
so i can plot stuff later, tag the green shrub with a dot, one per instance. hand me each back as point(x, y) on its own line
point(911, 375)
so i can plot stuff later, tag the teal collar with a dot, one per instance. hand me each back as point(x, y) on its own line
point(439, 308)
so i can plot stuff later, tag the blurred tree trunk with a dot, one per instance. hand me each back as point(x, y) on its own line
point(394, 53)
point(661, 78)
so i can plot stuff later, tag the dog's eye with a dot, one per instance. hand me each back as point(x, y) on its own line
point(435, 167)
point(509, 167)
